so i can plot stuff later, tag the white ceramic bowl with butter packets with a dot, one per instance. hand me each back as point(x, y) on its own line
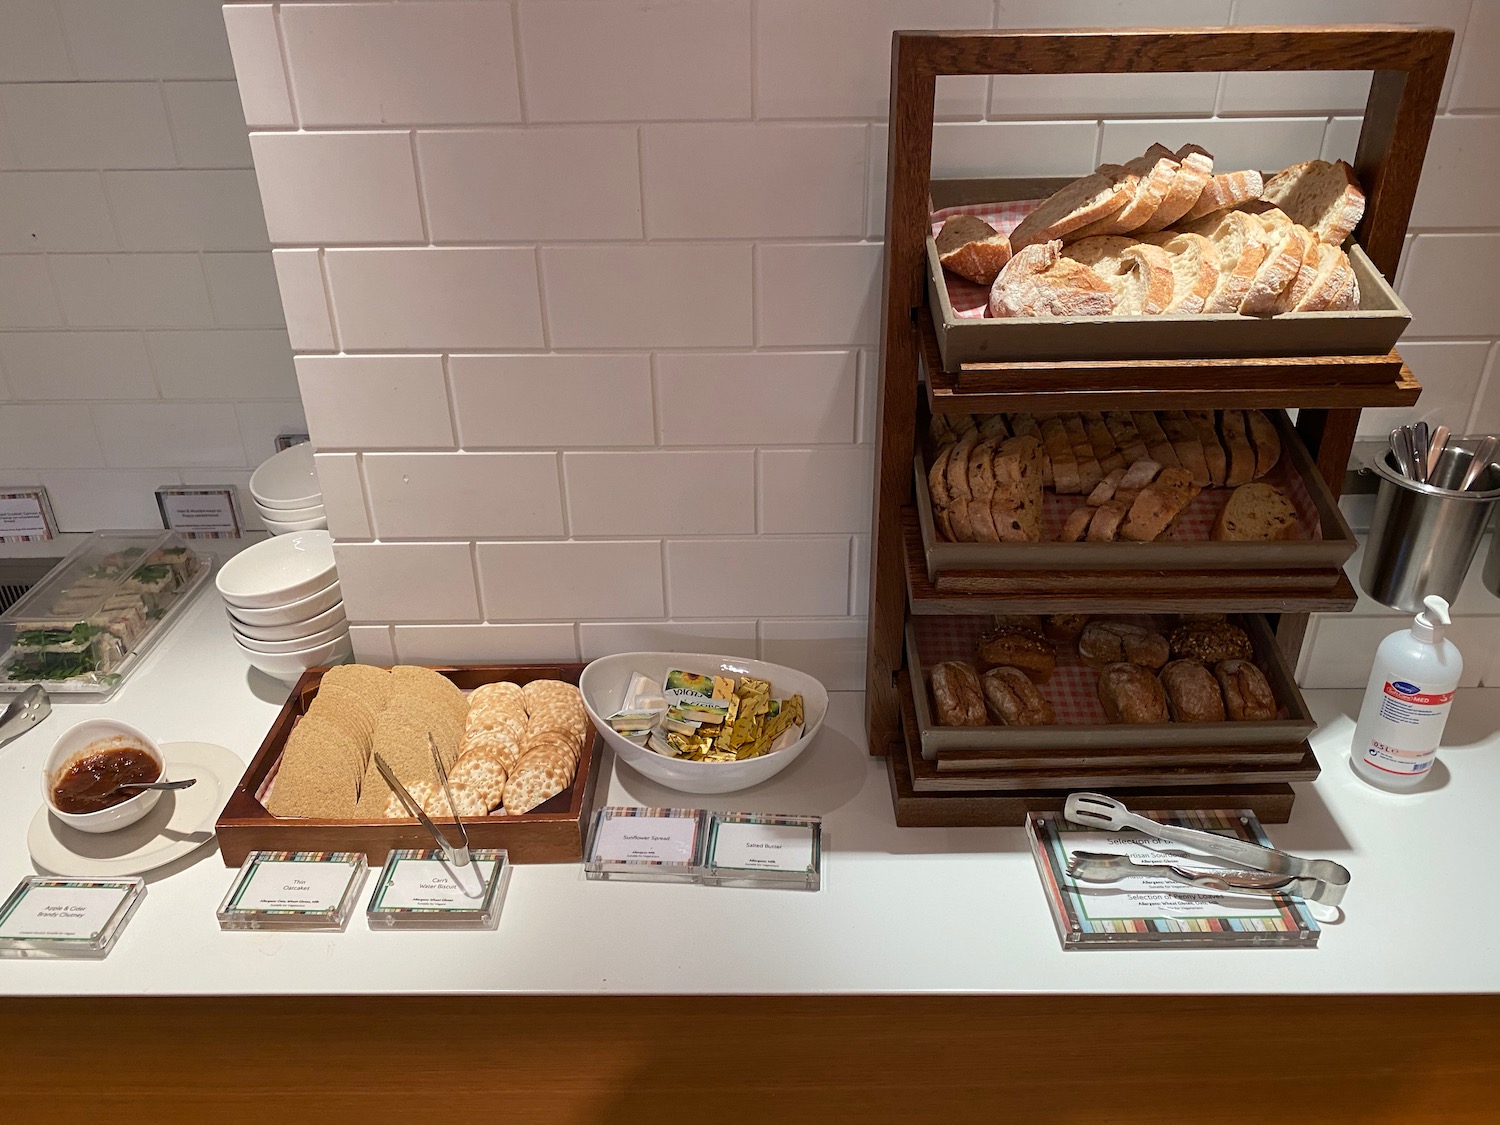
point(603, 686)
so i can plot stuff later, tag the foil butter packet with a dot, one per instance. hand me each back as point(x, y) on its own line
point(707, 718)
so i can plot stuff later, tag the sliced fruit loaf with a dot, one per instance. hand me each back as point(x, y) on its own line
point(993, 425)
point(957, 476)
point(1266, 439)
point(1153, 172)
point(1089, 471)
point(1140, 274)
point(1060, 453)
point(1324, 197)
point(1074, 205)
point(1104, 491)
point(1194, 170)
point(1105, 526)
point(1213, 452)
point(971, 248)
point(1286, 246)
point(1076, 525)
point(1257, 511)
point(1024, 425)
point(982, 489)
point(1016, 506)
point(1106, 452)
point(1240, 240)
point(1187, 445)
point(1159, 503)
point(1039, 281)
point(1127, 437)
point(1237, 443)
point(1157, 443)
point(1226, 189)
point(1195, 269)
point(1331, 284)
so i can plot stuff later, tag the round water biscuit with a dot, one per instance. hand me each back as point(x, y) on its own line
point(497, 744)
point(484, 775)
point(553, 743)
point(501, 691)
point(532, 784)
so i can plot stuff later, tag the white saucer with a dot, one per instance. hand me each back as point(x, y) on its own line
point(181, 822)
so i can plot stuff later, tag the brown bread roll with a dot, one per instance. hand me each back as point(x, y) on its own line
point(1013, 699)
point(1108, 642)
point(956, 691)
point(1023, 648)
point(1247, 695)
point(1192, 693)
point(1132, 694)
point(1064, 627)
point(1211, 642)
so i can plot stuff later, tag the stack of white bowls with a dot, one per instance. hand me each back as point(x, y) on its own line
point(285, 490)
point(285, 604)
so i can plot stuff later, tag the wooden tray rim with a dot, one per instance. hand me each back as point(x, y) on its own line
point(1299, 724)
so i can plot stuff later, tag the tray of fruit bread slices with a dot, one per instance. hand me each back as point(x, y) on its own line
point(520, 753)
point(1164, 256)
point(1127, 490)
point(1073, 680)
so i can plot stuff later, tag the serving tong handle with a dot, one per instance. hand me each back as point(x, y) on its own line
point(1325, 880)
point(457, 855)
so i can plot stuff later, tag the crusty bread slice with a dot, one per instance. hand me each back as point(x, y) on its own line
point(1267, 441)
point(1159, 503)
point(1240, 240)
point(1324, 197)
point(1024, 425)
point(1195, 269)
point(1225, 189)
point(1333, 279)
point(982, 489)
point(1153, 172)
point(1286, 247)
point(1017, 501)
point(1106, 452)
point(1127, 436)
point(1105, 526)
point(1348, 296)
point(957, 476)
point(1104, 491)
point(971, 248)
point(1257, 512)
point(1237, 443)
point(1060, 453)
point(1039, 281)
point(937, 477)
point(1158, 445)
point(1140, 274)
point(1076, 525)
point(1187, 445)
point(1213, 452)
point(1139, 475)
point(993, 426)
point(1307, 273)
point(1195, 169)
point(1074, 205)
point(1090, 473)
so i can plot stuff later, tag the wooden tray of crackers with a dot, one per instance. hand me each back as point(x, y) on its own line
point(514, 733)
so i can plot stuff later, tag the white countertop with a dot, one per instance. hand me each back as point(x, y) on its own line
point(901, 910)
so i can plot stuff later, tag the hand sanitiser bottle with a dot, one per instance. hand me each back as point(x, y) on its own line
point(1406, 702)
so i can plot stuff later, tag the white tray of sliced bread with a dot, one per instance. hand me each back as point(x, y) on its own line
point(1126, 490)
point(1157, 258)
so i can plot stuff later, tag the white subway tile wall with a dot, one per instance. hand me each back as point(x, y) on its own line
point(604, 280)
point(139, 310)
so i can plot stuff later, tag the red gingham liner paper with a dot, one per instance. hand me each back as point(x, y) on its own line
point(1073, 689)
point(1196, 523)
point(971, 301)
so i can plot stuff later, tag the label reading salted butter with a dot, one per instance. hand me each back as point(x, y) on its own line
point(295, 885)
point(647, 839)
point(763, 847)
point(431, 884)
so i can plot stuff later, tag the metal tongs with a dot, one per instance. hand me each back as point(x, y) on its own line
point(1267, 871)
point(455, 856)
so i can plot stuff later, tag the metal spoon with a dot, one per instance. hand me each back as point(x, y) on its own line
point(24, 712)
point(1439, 444)
point(1421, 444)
point(1401, 447)
point(185, 783)
point(1484, 454)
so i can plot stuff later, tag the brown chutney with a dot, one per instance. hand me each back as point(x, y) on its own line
point(88, 782)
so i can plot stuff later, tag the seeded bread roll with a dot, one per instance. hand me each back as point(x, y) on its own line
point(956, 692)
point(1112, 642)
point(1192, 693)
point(1247, 695)
point(1017, 647)
point(1132, 694)
point(1211, 642)
point(1013, 700)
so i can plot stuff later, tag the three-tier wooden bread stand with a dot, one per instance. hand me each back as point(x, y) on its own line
point(1328, 391)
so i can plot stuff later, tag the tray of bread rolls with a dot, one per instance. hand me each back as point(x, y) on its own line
point(1066, 681)
point(520, 754)
point(1164, 256)
point(1124, 490)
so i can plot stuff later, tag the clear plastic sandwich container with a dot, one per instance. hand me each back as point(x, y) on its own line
point(81, 629)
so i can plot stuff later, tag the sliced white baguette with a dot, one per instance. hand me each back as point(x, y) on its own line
point(1140, 274)
point(1039, 281)
point(1302, 284)
point(1286, 246)
point(1226, 189)
point(1195, 269)
point(1240, 240)
point(1153, 173)
point(1330, 287)
point(1195, 169)
point(1323, 197)
point(971, 248)
point(1075, 205)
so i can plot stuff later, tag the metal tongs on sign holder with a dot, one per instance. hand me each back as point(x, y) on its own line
point(454, 856)
point(1268, 872)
